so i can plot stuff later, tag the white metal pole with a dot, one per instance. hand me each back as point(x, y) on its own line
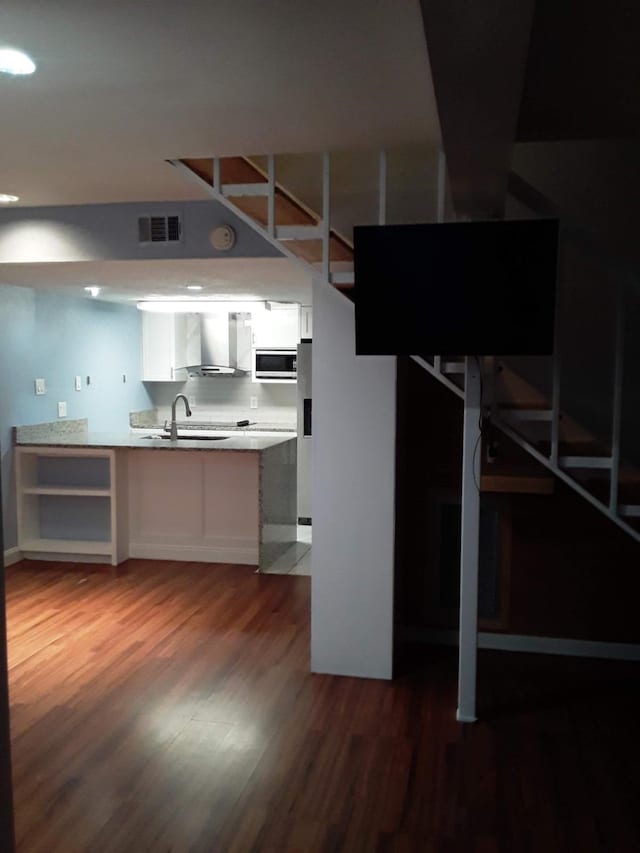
point(469, 547)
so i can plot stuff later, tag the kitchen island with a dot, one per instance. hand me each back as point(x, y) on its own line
point(86, 496)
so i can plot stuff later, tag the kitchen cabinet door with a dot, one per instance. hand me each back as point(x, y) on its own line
point(278, 328)
point(165, 346)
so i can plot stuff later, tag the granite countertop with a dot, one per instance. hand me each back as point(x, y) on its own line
point(231, 426)
point(137, 441)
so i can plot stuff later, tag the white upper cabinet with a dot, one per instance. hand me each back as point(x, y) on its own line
point(167, 344)
point(171, 342)
point(278, 328)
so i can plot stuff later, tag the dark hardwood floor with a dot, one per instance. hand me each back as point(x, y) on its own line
point(171, 709)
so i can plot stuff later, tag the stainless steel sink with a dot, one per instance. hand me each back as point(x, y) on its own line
point(191, 437)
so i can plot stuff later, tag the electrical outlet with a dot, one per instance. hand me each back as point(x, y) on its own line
point(78, 385)
point(253, 402)
point(62, 410)
point(40, 386)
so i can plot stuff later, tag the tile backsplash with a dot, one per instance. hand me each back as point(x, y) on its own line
point(227, 399)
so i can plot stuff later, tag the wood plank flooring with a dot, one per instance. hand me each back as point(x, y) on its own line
point(171, 709)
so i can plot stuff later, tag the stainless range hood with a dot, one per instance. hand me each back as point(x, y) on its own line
point(220, 345)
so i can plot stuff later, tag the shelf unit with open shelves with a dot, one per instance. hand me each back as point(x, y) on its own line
point(71, 501)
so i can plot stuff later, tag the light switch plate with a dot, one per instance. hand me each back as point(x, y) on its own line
point(78, 383)
point(40, 386)
point(253, 402)
point(62, 410)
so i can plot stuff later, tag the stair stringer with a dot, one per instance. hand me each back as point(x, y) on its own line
point(248, 220)
point(507, 429)
point(341, 280)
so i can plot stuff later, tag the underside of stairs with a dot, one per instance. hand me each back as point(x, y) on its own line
point(551, 442)
point(276, 213)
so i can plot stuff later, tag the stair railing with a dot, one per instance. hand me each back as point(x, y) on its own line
point(606, 357)
point(450, 370)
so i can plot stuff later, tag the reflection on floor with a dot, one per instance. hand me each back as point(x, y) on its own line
point(297, 560)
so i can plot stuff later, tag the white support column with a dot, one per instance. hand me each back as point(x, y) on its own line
point(469, 550)
point(326, 216)
point(216, 174)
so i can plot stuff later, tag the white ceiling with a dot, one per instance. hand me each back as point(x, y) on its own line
point(122, 87)
point(235, 278)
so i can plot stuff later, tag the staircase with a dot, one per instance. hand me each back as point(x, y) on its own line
point(589, 451)
point(253, 194)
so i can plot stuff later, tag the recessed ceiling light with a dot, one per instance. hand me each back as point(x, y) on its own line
point(15, 62)
point(194, 287)
point(93, 290)
point(5, 198)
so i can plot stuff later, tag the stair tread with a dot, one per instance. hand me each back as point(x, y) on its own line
point(514, 483)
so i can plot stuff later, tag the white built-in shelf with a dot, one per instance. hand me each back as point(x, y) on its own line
point(69, 491)
point(66, 494)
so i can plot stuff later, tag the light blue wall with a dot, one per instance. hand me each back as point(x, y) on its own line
point(57, 337)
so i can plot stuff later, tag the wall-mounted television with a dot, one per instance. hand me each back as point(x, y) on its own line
point(456, 288)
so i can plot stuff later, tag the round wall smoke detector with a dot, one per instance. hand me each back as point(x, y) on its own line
point(223, 238)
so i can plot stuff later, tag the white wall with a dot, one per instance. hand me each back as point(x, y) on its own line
point(110, 232)
point(228, 399)
point(354, 423)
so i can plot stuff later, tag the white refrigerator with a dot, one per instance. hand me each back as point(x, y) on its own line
point(304, 421)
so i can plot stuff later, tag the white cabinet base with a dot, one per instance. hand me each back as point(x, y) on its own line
point(104, 506)
point(200, 506)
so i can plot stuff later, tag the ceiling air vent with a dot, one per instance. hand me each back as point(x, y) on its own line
point(159, 229)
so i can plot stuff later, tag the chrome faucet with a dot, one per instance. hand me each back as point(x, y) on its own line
point(174, 426)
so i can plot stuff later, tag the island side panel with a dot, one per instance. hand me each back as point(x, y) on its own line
point(278, 501)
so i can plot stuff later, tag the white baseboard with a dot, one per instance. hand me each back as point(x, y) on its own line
point(11, 556)
point(194, 553)
point(55, 557)
point(533, 645)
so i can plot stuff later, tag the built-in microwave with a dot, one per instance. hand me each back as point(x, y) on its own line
point(274, 363)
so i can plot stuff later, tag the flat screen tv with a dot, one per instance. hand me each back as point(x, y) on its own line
point(456, 288)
